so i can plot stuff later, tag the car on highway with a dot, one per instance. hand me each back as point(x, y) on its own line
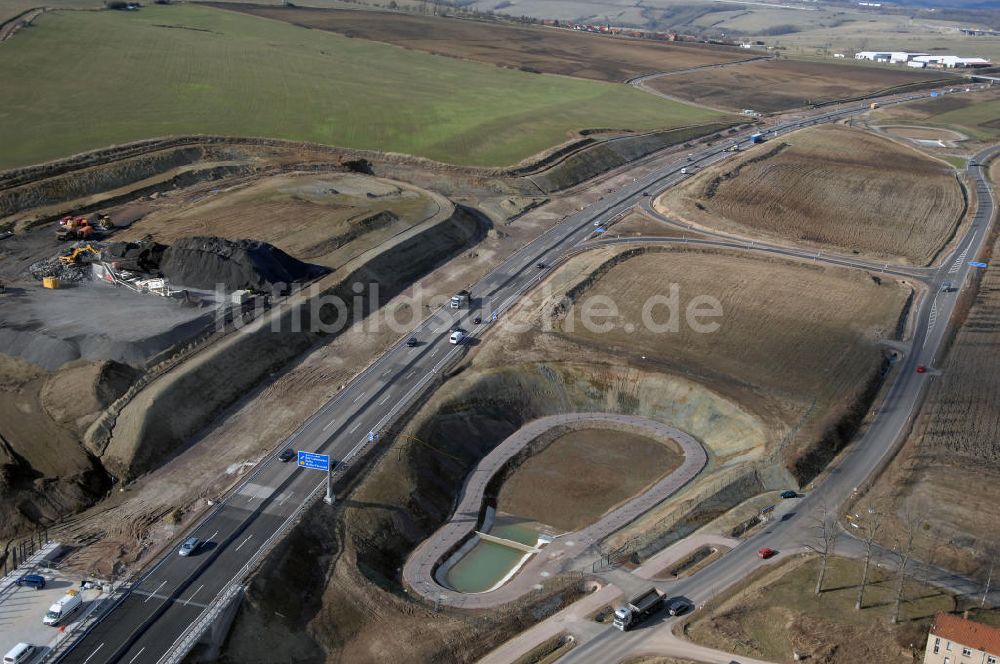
point(684, 171)
point(189, 547)
point(540, 265)
point(789, 494)
point(921, 368)
point(36, 581)
point(457, 336)
point(411, 342)
point(286, 455)
point(766, 553)
point(946, 287)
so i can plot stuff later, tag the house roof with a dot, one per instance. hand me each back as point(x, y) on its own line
point(967, 633)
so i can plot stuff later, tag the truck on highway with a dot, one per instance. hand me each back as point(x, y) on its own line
point(460, 299)
point(638, 609)
point(64, 608)
point(757, 138)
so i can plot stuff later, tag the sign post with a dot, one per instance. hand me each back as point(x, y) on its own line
point(319, 462)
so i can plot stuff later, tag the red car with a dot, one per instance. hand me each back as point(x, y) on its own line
point(766, 553)
point(921, 368)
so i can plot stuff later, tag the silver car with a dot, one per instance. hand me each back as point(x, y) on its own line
point(189, 547)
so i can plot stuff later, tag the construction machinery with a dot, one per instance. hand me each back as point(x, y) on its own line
point(74, 228)
point(78, 253)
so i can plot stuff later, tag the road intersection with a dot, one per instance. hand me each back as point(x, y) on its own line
point(157, 617)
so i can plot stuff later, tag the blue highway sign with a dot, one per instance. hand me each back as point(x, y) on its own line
point(314, 461)
point(977, 264)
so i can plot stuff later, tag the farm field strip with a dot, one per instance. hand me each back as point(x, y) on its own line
point(169, 70)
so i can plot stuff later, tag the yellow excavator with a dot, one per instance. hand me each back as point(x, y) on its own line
point(78, 253)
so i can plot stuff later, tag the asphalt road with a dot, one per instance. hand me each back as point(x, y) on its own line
point(861, 462)
point(168, 597)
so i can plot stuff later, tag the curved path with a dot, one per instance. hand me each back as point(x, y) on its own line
point(418, 572)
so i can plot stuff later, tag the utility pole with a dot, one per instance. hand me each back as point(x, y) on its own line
point(986, 591)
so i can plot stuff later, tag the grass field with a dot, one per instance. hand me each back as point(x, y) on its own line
point(776, 85)
point(582, 474)
point(976, 115)
point(549, 50)
point(779, 613)
point(186, 69)
point(833, 188)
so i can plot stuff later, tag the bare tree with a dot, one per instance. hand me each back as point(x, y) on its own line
point(871, 526)
point(904, 546)
point(826, 538)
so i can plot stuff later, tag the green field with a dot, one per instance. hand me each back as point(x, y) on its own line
point(83, 80)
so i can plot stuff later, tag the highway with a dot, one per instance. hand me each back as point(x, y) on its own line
point(862, 460)
point(147, 623)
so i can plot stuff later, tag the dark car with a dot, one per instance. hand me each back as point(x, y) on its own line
point(477, 320)
point(540, 265)
point(412, 342)
point(36, 581)
point(789, 494)
point(678, 606)
point(286, 455)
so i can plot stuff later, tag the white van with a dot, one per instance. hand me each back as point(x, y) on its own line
point(19, 654)
point(457, 336)
point(64, 608)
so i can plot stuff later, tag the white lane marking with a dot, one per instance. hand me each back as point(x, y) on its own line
point(385, 398)
point(387, 371)
point(153, 593)
point(330, 424)
point(287, 496)
point(193, 594)
point(212, 535)
point(355, 427)
point(137, 655)
point(249, 537)
point(93, 653)
point(358, 398)
point(411, 374)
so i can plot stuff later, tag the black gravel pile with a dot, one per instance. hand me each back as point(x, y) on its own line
point(209, 262)
point(144, 256)
point(53, 267)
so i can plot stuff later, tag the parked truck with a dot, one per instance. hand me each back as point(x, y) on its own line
point(638, 609)
point(460, 300)
point(64, 608)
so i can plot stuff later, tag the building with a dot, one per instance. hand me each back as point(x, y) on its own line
point(891, 57)
point(956, 640)
point(948, 62)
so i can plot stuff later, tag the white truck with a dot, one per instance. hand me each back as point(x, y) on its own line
point(64, 608)
point(460, 299)
point(638, 609)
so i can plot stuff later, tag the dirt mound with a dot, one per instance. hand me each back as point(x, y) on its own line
point(74, 396)
point(205, 262)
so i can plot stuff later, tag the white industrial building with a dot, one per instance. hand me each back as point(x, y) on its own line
point(892, 57)
point(947, 61)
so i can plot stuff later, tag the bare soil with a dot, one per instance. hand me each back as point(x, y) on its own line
point(311, 217)
point(778, 613)
point(582, 475)
point(769, 86)
point(549, 50)
point(830, 187)
point(925, 133)
point(797, 342)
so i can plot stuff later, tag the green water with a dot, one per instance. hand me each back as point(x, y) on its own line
point(515, 531)
point(483, 567)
